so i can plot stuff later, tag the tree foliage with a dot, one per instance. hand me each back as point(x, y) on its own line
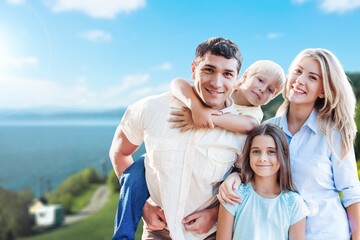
point(15, 220)
point(113, 182)
point(73, 186)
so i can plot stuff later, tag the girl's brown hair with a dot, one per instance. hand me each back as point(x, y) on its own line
point(282, 149)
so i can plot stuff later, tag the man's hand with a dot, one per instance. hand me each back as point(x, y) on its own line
point(201, 221)
point(154, 217)
point(227, 189)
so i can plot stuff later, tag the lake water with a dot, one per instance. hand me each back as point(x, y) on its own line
point(38, 155)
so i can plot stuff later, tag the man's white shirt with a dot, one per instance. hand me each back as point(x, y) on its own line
point(183, 170)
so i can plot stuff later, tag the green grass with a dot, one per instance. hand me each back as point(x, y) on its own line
point(96, 227)
point(81, 201)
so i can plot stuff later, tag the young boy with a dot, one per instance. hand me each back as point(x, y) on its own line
point(261, 82)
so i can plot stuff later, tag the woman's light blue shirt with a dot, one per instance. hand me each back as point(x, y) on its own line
point(319, 175)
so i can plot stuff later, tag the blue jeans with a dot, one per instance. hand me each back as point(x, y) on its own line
point(133, 196)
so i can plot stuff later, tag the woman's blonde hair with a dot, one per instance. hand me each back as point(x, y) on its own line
point(265, 67)
point(337, 109)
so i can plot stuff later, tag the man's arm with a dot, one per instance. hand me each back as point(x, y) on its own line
point(120, 152)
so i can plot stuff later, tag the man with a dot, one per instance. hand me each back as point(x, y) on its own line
point(183, 169)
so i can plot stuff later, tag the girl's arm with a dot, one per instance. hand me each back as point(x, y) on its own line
point(201, 115)
point(297, 230)
point(235, 123)
point(225, 224)
point(353, 212)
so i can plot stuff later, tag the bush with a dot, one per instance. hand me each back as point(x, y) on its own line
point(15, 220)
point(72, 187)
point(113, 182)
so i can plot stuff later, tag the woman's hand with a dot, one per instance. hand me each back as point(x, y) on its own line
point(227, 190)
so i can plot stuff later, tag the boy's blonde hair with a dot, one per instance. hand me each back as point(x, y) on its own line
point(265, 67)
point(337, 109)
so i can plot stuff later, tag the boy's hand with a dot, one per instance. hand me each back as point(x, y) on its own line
point(182, 119)
point(185, 119)
point(154, 217)
point(227, 190)
point(201, 221)
point(202, 117)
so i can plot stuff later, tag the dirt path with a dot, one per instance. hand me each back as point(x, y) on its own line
point(97, 201)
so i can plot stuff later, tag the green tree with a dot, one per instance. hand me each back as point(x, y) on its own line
point(113, 182)
point(15, 220)
point(72, 187)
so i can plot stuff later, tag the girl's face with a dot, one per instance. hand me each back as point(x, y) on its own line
point(259, 89)
point(305, 83)
point(264, 157)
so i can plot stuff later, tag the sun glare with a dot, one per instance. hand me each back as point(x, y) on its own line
point(5, 47)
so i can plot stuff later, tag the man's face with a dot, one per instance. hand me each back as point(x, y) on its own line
point(214, 77)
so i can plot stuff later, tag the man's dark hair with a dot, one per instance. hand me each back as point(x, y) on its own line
point(220, 47)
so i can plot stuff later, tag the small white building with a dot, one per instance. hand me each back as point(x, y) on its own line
point(49, 215)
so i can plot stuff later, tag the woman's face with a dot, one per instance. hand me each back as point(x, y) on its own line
point(305, 84)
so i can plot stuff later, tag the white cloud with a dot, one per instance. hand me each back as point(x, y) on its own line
point(97, 36)
point(18, 62)
point(23, 93)
point(16, 2)
point(97, 8)
point(330, 6)
point(166, 66)
point(339, 6)
point(274, 35)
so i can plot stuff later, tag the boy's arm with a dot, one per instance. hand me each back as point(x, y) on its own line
point(235, 123)
point(184, 91)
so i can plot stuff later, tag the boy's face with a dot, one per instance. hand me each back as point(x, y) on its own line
point(259, 88)
point(214, 78)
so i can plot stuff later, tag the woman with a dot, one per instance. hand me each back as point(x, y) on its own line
point(317, 118)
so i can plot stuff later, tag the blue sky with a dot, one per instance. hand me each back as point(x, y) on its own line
point(104, 54)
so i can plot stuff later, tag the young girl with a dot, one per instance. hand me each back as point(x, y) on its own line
point(261, 82)
point(270, 208)
point(317, 118)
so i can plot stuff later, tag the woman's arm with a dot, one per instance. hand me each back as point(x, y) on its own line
point(225, 224)
point(297, 230)
point(353, 212)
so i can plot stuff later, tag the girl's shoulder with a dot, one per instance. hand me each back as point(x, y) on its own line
point(291, 199)
point(244, 190)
